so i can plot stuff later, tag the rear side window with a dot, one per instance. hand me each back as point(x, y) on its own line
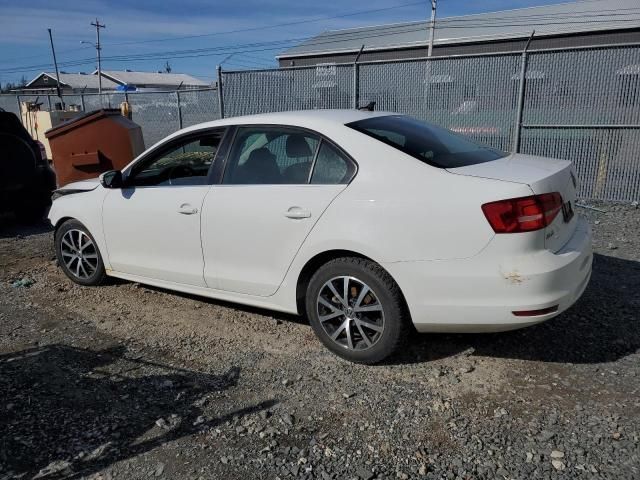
point(270, 155)
point(436, 146)
point(331, 167)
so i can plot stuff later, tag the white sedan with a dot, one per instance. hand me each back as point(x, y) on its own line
point(371, 224)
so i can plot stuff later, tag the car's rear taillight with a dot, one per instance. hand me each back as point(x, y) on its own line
point(524, 214)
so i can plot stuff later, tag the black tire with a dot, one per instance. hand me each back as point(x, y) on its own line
point(96, 277)
point(395, 318)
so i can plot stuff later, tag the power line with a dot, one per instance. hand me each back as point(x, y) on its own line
point(214, 51)
point(443, 21)
point(250, 29)
point(276, 25)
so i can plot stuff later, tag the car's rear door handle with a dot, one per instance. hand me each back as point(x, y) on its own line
point(187, 209)
point(297, 213)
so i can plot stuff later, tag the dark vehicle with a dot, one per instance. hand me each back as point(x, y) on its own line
point(26, 179)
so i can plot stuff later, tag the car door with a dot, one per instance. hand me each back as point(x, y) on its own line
point(152, 224)
point(277, 183)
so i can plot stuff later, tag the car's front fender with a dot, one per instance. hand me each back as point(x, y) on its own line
point(86, 207)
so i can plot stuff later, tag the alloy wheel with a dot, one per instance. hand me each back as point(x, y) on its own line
point(350, 313)
point(79, 254)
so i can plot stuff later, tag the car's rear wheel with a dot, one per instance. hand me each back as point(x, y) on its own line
point(78, 254)
point(357, 310)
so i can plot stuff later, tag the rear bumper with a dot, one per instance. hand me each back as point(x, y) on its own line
point(479, 294)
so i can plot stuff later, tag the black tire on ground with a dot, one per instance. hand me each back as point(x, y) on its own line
point(98, 276)
point(396, 318)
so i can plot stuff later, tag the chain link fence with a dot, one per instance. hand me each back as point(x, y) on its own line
point(260, 91)
point(158, 113)
point(580, 104)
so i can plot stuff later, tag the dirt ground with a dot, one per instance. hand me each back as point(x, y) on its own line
point(126, 381)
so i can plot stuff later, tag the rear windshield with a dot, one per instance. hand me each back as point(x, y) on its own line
point(430, 144)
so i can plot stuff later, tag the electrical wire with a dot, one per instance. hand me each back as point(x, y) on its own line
point(278, 44)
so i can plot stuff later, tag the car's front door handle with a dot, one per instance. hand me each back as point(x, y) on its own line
point(187, 209)
point(297, 213)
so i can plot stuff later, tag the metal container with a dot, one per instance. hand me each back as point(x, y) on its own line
point(88, 145)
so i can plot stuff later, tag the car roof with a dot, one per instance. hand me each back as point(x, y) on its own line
point(303, 118)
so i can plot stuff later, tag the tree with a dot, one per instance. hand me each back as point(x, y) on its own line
point(7, 87)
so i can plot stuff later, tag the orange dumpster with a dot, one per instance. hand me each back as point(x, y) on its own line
point(93, 143)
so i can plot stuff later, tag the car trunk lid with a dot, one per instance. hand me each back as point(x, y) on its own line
point(543, 175)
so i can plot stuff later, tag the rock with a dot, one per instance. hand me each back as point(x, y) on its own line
point(544, 436)
point(611, 246)
point(558, 464)
point(159, 469)
point(224, 460)
point(348, 395)
point(557, 454)
point(199, 420)
point(162, 423)
point(499, 412)
point(287, 419)
point(364, 473)
point(58, 466)
point(529, 457)
point(422, 470)
point(466, 369)
point(616, 435)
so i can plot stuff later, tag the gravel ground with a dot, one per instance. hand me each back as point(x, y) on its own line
point(126, 381)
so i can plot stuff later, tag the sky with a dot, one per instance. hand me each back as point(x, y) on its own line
point(138, 27)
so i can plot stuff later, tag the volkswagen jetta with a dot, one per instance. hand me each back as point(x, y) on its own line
point(371, 224)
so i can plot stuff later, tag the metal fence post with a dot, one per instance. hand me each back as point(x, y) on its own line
point(49, 101)
point(82, 102)
point(356, 80)
point(19, 107)
point(356, 90)
point(220, 96)
point(517, 134)
point(179, 109)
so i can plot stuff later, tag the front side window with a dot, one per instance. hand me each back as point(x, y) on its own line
point(270, 155)
point(184, 163)
point(436, 146)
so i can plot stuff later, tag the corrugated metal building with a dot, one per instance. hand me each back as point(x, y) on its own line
point(153, 80)
point(46, 82)
point(581, 23)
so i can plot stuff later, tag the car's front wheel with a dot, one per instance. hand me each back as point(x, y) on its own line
point(78, 254)
point(357, 310)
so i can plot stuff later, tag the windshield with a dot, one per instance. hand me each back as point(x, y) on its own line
point(430, 144)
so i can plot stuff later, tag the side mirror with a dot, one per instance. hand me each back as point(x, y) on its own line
point(111, 179)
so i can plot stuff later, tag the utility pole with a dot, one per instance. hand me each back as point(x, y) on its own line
point(55, 63)
point(432, 27)
point(98, 48)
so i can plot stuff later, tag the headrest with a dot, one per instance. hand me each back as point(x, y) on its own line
point(260, 155)
point(297, 146)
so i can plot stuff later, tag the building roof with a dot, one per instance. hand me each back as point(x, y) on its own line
point(563, 18)
point(77, 81)
point(152, 78)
